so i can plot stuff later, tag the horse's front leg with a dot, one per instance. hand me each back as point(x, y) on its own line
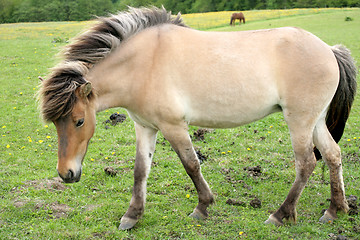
point(145, 147)
point(180, 141)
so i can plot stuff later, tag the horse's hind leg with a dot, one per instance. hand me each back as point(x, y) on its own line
point(145, 147)
point(305, 162)
point(330, 152)
point(180, 141)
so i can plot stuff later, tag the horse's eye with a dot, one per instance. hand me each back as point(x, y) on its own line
point(80, 122)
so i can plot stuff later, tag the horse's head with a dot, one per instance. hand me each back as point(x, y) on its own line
point(68, 100)
point(74, 132)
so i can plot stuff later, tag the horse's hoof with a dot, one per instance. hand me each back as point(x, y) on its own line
point(273, 220)
point(327, 218)
point(127, 223)
point(198, 215)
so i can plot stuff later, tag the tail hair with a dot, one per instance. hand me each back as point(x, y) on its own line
point(340, 106)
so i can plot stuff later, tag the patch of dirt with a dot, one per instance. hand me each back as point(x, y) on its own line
point(227, 172)
point(101, 235)
point(53, 184)
point(235, 202)
point(356, 228)
point(114, 119)
point(202, 157)
point(57, 210)
point(254, 171)
point(255, 203)
point(353, 205)
point(110, 171)
point(199, 135)
point(351, 157)
point(50, 184)
point(333, 236)
point(20, 203)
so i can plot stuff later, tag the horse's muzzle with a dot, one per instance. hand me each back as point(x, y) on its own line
point(71, 176)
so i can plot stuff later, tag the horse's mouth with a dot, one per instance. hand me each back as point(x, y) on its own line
point(71, 177)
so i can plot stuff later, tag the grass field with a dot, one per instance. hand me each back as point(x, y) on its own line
point(34, 204)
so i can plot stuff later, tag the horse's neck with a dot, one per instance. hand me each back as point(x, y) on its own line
point(114, 79)
point(120, 77)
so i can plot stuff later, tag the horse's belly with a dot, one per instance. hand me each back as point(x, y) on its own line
point(215, 115)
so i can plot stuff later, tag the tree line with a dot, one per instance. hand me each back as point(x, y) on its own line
point(79, 10)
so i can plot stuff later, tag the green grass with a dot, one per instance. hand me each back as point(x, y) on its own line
point(33, 206)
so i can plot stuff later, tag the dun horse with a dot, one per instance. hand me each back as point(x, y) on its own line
point(235, 16)
point(169, 76)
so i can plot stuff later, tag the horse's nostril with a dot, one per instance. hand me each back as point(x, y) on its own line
point(70, 175)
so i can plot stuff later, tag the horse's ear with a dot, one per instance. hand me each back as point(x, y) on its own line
point(85, 89)
point(41, 79)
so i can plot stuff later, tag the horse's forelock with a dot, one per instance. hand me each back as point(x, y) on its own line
point(57, 92)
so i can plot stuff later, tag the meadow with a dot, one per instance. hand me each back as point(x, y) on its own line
point(246, 165)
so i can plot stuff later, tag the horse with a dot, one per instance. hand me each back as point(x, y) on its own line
point(235, 16)
point(169, 76)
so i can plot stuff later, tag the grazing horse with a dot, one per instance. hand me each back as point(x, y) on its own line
point(235, 16)
point(168, 76)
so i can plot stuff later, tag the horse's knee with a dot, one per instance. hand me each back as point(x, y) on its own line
point(192, 166)
point(332, 155)
point(305, 162)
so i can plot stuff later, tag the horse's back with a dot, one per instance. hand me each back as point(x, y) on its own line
point(216, 79)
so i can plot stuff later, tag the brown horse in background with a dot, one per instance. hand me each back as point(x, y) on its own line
point(235, 16)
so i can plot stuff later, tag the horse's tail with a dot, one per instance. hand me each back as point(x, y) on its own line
point(231, 20)
point(340, 105)
point(244, 20)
